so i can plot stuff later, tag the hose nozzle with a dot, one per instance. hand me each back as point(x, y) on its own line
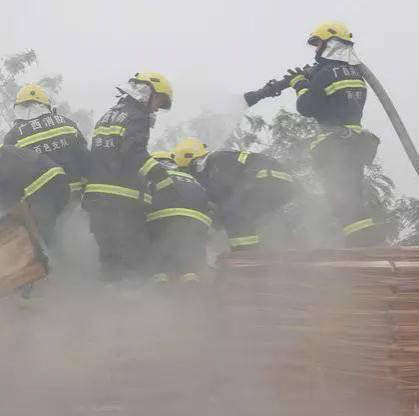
point(272, 89)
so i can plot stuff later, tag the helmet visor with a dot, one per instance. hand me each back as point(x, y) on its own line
point(314, 41)
point(164, 101)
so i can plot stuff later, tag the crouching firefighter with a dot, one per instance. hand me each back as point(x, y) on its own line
point(244, 186)
point(178, 224)
point(33, 178)
point(39, 128)
point(334, 93)
point(119, 158)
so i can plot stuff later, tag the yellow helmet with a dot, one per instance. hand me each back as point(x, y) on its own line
point(188, 149)
point(329, 30)
point(159, 83)
point(162, 155)
point(32, 92)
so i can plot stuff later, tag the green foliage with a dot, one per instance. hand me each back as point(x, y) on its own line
point(210, 127)
point(307, 220)
point(52, 85)
point(406, 219)
point(18, 64)
point(243, 137)
point(308, 216)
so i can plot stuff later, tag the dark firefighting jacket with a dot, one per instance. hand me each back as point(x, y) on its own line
point(189, 199)
point(334, 94)
point(57, 137)
point(23, 173)
point(229, 172)
point(119, 156)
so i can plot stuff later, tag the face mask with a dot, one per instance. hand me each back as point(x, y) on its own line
point(199, 164)
point(138, 91)
point(28, 111)
point(336, 50)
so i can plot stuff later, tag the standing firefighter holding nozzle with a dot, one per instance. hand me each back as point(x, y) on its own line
point(334, 92)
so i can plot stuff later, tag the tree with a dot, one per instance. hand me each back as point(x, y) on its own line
point(211, 128)
point(308, 216)
point(307, 220)
point(248, 133)
point(405, 219)
point(11, 67)
point(16, 65)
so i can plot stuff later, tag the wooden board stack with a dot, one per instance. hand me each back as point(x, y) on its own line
point(324, 332)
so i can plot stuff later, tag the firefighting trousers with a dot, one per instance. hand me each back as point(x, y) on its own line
point(47, 204)
point(122, 238)
point(178, 246)
point(257, 200)
point(340, 165)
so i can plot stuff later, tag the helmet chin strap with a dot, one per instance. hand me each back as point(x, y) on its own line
point(153, 119)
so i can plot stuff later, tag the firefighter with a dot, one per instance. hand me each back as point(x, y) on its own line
point(178, 226)
point(334, 93)
point(119, 159)
point(31, 177)
point(244, 186)
point(37, 127)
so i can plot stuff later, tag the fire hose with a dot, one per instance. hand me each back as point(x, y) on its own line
point(392, 114)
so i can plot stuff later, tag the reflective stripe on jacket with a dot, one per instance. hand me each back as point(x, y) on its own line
point(57, 137)
point(335, 94)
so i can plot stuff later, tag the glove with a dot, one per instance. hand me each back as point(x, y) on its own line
point(309, 70)
point(292, 75)
point(272, 88)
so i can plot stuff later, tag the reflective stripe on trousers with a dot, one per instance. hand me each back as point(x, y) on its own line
point(37, 184)
point(358, 226)
point(265, 173)
point(352, 128)
point(243, 157)
point(112, 190)
point(249, 240)
point(179, 212)
point(76, 186)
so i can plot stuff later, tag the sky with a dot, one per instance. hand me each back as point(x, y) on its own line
point(212, 49)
